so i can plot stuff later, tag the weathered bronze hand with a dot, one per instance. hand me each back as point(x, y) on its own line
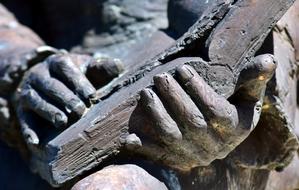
point(58, 90)
point(187, 124)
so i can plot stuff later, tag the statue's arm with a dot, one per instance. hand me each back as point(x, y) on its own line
point(17, 46)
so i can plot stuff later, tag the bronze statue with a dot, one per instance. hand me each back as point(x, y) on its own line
point(191, 105)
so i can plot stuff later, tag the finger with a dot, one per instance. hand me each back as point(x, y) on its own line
point(67, 71)
point(165, 127)
point(253, 79)
point(81, 61)
point(222, 115)
point(183, 110)
point(40, 54)
point(179, 104)
point(25, 122)
point(199, 150)
point(251, 90)
point(55, 90)
point(33, 101)
point(160, 127)
point(101, 71)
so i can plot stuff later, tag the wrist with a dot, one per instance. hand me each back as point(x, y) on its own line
point(16, 64)
point(13, 69)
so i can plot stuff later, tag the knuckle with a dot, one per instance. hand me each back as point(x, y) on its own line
point(58, 60)
point(227, 116)
point(51, 84)
point(37, 70)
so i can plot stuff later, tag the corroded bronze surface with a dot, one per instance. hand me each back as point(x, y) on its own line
point(197, 101)
point(112, 116)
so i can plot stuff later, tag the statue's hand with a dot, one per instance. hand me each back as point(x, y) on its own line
point(58, 91)
point(187, 124)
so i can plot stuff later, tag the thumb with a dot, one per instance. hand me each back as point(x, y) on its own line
point(254, 77)
point(101, 71)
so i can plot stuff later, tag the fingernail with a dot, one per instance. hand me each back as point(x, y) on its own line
point(147, 93)
point(94, 98)
point(79, 108)
point(90, 91)
point(33, 141)
point(60, 120)
point(31, 138)
point(161, 77)
point(185, 73)
point(146, 97)
point(267, 65)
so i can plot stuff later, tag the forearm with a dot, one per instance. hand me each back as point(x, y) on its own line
point(16, 43)
point(17, 47)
